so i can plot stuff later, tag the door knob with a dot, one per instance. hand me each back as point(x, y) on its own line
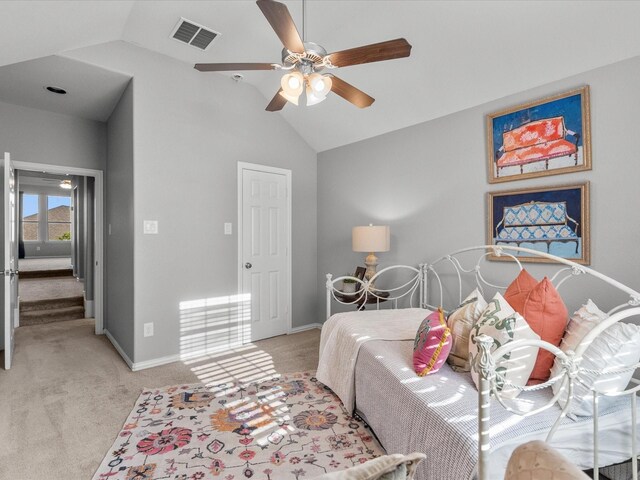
point(247, 265)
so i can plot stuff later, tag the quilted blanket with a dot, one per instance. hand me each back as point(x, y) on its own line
point(343, 335)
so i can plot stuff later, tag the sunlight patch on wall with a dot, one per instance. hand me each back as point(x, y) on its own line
point(212, 325)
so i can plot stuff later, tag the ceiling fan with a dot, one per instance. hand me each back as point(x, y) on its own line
point(303, 60)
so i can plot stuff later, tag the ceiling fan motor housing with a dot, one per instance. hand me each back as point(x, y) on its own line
point(308, 62)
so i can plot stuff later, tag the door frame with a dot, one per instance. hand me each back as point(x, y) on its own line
point(287, 174)
point(98, 271)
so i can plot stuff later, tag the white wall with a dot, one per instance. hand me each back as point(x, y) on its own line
point(428, 182)
point(39, 136)
point(190, 130)
point(119, 241)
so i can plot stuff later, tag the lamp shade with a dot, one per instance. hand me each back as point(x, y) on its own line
point(373, 238)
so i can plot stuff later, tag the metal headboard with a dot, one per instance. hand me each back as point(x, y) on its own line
point(570, 362)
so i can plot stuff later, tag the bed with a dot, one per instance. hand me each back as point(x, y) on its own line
point(367, 362)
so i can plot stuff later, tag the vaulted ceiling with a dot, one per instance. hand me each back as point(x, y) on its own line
point(465, 53)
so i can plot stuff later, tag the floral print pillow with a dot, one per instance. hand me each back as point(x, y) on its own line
point(504, 324)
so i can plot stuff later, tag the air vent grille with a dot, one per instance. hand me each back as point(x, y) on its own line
point(193, 34)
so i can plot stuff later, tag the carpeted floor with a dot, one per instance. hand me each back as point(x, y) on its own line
point(68, 393)
point(31, 289)
point(44, 263)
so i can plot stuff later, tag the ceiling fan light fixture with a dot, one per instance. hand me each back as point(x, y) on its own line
point(292, 84)
point(290, 98)
point(313, 98)
point(65, 184)
point(320, 84)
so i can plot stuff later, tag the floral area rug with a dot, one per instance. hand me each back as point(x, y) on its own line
point(284, 427)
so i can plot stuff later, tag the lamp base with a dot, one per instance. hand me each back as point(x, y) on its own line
point(372, 264)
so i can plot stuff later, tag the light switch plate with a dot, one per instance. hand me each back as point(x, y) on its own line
point(150, 227)
point(148, 329)
point(228, 229)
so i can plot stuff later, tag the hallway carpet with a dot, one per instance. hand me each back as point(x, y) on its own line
point(69, 393)
point(44, 263)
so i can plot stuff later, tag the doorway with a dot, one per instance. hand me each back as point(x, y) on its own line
point(62, 226)
point(264, 249)
point(55, 251)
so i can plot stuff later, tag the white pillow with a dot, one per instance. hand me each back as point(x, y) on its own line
point(504, 324)
point(460, 323)
point(618, 346)
point(581, 322)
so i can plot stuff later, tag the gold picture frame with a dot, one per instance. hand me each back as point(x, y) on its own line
point(554, 220)
point(549, 136)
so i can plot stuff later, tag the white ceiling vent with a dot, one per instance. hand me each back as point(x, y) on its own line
point(193, 34)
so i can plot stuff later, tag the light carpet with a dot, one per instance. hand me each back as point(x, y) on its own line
point(278, 427)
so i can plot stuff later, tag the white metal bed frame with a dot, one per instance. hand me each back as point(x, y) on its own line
point(485, 365)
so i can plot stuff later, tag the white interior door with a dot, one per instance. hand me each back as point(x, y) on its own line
point(265, 251)
point(10, 299)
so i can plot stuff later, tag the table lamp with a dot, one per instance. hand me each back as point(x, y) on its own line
point(371, 239)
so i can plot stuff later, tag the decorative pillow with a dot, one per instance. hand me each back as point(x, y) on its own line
point(387, 467)
point(460, 323)
point(581, 323)
point(432, 344)
point(504, 325)
point(542, 307)
point(618, 346)
point(517, 292)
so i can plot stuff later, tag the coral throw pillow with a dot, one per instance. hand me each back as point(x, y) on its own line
point(542, 307)
point(432, 344)
point(517, 292)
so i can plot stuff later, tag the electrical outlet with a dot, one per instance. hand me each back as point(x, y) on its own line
point(148, 329)
point(228, 229)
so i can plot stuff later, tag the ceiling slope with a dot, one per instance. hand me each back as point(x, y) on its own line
point(465, 53)
point(34, 29)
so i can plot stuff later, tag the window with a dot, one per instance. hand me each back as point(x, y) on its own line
point(30, 217)
point(59, 218)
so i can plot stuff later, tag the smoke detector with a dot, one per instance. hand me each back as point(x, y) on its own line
point(193, 34)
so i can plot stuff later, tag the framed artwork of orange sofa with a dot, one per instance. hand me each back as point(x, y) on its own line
point(543, 137)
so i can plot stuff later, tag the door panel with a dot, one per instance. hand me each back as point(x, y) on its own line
point(10, 295)
point(264, 252)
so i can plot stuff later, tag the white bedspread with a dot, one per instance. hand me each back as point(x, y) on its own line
point(343, 335)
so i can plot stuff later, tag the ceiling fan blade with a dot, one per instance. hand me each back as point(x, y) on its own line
point(277, 103)
point(376, 52)
point(225, 67)
point(350, 93)
point(280, 20)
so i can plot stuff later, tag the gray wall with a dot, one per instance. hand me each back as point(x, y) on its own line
point(38, 136)
point(190, 130)
point(41, 248)
point(119, 224)
point(428, 182)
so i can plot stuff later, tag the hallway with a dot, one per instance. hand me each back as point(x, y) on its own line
point(48, 291)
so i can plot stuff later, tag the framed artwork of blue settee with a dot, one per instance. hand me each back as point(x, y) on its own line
point(553, 220)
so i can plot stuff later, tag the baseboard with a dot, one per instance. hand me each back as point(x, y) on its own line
point(119, 349)
point(304, 328)
point(156, 362)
